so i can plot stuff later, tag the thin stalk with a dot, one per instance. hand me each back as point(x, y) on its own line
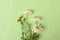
point(22, 30)
point(29, 28)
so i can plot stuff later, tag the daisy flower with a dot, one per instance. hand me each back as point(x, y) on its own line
point(36, 29)
point(36, 18)
point(28, 11)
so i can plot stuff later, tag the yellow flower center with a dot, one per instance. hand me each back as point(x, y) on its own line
point(37, 27)
point(35, 17)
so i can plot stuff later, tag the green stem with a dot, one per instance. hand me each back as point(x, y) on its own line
point(29, 28)
point(22, 30)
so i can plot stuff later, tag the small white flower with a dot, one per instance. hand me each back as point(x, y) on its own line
point(36, 18)
point(28, 11)
point(36, 29)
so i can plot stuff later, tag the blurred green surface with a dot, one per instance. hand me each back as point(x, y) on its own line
point(11, 9)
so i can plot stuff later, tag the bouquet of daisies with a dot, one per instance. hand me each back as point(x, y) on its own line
point(30, 28)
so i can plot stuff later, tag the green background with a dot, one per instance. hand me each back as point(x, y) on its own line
point(11, 9)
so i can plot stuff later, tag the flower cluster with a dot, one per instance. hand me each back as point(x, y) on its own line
point(34, 30)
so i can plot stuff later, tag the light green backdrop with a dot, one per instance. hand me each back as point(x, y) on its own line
point(11, 9)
